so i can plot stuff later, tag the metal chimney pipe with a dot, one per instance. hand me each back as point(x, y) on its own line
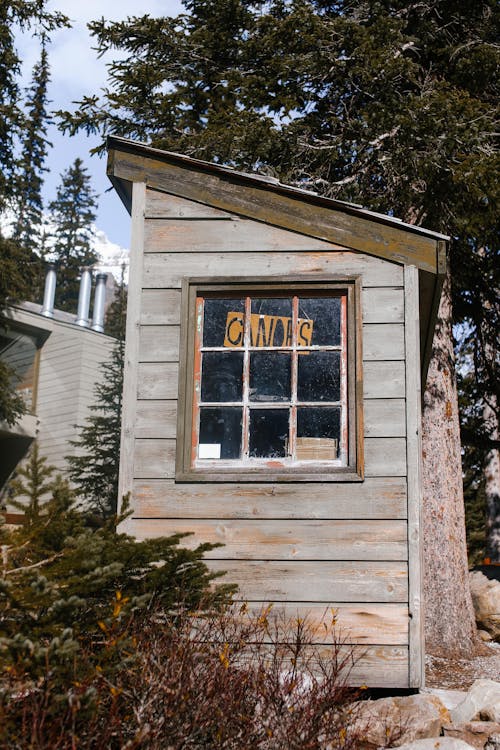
point(82, 315)
point(49, 291)
point(99, 300)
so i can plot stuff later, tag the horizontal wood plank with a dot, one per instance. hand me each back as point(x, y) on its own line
point(383, 305)
point(383, 418)
point(383, 342)
point(157, 380)
point(382, 624)
point(384, 380)
point(154, 458)
point(305, 581)
point(159, 343)
point(168, 269)
point(293, 540)
point(384, 457)
point(156, 419)
point(374, 498)
point(379, 666)
point(160, 307)
point(161, 205)
point(237, 236)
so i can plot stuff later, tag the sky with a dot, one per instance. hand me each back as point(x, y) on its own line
point(76, 71)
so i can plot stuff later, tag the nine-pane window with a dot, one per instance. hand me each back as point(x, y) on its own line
point(270, 380)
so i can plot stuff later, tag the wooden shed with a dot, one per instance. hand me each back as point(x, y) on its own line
point(276, 345)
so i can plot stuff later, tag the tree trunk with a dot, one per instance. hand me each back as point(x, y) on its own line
point(450, 627)
point(492, 487)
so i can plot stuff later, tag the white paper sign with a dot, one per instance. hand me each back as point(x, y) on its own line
point(209, 450)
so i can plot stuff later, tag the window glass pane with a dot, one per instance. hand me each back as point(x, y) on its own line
point(220, 432)
point(223, 322)
point(318, 376)
point(318, 433)
point(222, 376)
point(18, 352)
point(271, 322)
point(270, 376)
point(269, 433)
point(321, 317)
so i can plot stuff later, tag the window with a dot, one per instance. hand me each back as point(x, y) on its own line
point(269, 389)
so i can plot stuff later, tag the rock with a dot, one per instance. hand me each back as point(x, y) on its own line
point(486, 600)
point(482, 702)
point(399, 719)
point(437, 743)
point(476, 733)
point(449, 698)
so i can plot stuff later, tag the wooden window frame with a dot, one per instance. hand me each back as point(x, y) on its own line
point(271, 470)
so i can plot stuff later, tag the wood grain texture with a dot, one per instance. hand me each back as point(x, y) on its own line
point(156, 419)
point(383, 342)
point(280, 207)
point(166, 270)
point(160, 307)
point(316, 581)
point(157, 380)
point(374, 498)
point(383, 305)
point(159, 343)
point(384, 457)
point(385, 417)
point(238, 236)
point(160, 205)
point(130, 376)
point(295, 540)
point(383, 624)
point(414, 461)
point(154, 458)
point(384, 380)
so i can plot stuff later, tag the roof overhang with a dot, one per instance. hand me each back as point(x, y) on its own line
point(267, 200)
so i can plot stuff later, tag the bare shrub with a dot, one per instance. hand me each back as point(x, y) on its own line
point(196, 680)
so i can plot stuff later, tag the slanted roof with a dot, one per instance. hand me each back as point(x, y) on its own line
point(266, 200)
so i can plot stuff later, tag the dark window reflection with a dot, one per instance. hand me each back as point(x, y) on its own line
point(220, 432)
point(270, 376)
point(318, 376)
point(222, 376)
point(269, 433)
point(323, 316)
point(318, 433)
point(220, 326)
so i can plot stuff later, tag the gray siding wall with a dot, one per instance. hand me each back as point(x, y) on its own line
point(306, 547)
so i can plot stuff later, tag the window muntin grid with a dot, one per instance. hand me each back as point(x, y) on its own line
point(257, 399)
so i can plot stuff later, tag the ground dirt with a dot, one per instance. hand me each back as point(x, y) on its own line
point(459, 674)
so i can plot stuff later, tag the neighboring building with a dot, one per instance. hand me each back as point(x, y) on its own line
point(57, 360)
point(276, 342)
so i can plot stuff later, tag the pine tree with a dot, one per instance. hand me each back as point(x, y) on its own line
point(73, 212)
point(391, 104)
point(18, 274)
point(30, 167)
point(95, 470)
point(33, 482)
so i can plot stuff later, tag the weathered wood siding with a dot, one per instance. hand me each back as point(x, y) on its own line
point(70, 362)
point(309, 547)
